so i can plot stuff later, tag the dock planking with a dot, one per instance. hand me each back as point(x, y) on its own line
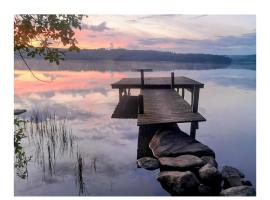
point(157, 83)
point(159, 103)
point(163, 106)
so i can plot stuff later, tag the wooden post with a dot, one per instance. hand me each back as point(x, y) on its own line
point(193, 130)
point(172, 79)
point(192, 97)
point(183, 93)
point(120, 94)
point(142, 75)
point(195, 99)
point(140, 105)
point(142, 78)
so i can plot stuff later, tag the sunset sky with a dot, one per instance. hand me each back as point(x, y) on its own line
point(215, 34)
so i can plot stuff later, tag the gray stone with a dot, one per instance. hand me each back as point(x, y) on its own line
point(179, 183)
point(246, 182)
point(204, 190)
point(210, 160)
point(228, 171)
point(233, 177)
point(210, 175)
point(234, 181)
point(19, 111)
point(172, 143)
point(239, 191)
point(184, 162)
point(148, 163)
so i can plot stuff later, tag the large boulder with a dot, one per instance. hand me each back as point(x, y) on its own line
point(183, 162)
point(210, 176)
point(204, 190)
point(235, 181)
point(148, 163)
point(172, 143)
point(239, 191)
point(210, 160)
point(233, 177)
point(228, 171)
point(179, 183)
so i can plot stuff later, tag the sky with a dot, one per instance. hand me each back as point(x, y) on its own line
point(214, 34)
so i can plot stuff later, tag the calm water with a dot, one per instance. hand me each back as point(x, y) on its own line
point(108, 147)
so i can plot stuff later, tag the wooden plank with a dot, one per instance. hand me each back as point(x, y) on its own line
point(157, 83)
point(166, 106)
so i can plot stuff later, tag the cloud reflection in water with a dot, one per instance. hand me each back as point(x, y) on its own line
point(87, 101)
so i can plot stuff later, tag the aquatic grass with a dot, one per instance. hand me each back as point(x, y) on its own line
point(51, 137)
point(93, 164)
point(79, 168)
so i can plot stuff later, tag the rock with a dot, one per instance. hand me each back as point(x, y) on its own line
point(234, 181)
point(210, 160)
point(210, 176)
point(228, 171)
point(179, 183)
point(19, 111)
point(246, 182)
point(148, 163)
point(239, 191)
point(172, 143)
point(233, 177)
point(204, 190)
point(184, 162)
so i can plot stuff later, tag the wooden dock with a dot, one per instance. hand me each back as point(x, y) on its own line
point(157, 83)
point(161, 100)
point(163, 106)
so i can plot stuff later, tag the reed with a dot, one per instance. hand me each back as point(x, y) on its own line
point(51, 138)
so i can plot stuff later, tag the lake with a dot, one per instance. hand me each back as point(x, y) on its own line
point(104, 150)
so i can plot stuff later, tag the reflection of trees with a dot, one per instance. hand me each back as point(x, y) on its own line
point(21, 159)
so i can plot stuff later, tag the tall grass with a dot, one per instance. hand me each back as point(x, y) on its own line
point(79, 168)
point(52, 138)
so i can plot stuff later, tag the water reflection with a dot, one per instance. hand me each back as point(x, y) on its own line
point(108, 146)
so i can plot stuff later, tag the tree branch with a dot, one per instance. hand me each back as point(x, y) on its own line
point(33, 74)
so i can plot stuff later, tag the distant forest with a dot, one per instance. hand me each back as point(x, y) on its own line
point(243, 59)
point(122, 59)
point(145, 55)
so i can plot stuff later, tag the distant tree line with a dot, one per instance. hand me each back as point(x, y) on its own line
point(146, 55)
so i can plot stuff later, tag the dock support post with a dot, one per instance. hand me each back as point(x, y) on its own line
point(183, 93)
point(195, 99)
point(120, 94)
point(142, 78)
point(193, 128)
point(140, 107)
point(172, 78)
